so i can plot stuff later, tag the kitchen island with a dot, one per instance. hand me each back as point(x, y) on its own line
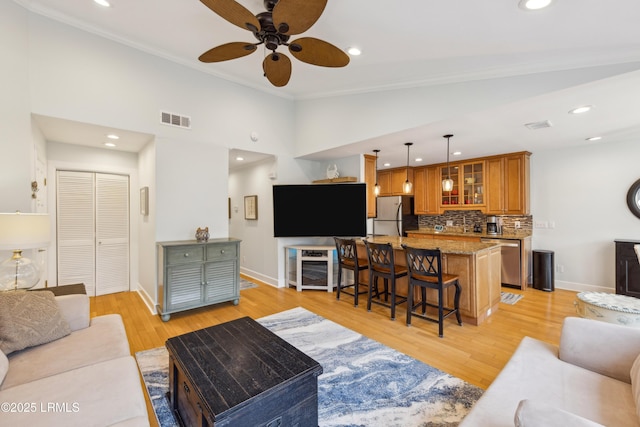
point(477, 265)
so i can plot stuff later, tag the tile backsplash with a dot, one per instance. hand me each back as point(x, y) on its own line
point(459, 218)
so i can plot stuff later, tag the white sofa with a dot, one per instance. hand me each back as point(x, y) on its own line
point(87, 378)
point(592, 378)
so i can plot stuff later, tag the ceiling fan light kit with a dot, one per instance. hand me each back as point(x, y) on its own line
point(273, 29)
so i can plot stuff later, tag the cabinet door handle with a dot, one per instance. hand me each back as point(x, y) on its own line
point(221, 251)
point(186, 255)
point(186, 387)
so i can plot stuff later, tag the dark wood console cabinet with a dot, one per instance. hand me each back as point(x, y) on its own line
point(627, 268)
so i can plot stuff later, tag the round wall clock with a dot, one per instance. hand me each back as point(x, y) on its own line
point(633, 198)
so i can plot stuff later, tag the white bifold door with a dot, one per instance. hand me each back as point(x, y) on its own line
point(93, 231)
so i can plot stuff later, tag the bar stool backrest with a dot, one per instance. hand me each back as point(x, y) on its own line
point(347, 251)
point(380, 256)
point(424, 263)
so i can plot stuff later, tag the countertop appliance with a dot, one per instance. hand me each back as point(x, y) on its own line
point(394, 216)
point(511, 265)
point(492, 225)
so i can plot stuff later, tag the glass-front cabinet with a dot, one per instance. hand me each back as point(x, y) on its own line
point(468, 185)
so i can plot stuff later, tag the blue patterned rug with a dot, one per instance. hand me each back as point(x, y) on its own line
point(364, 383)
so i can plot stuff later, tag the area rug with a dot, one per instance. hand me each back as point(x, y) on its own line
point(245, 284)
point(509, 298)
point(363, 383)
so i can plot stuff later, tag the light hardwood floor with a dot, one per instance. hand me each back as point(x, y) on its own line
point(475, 354)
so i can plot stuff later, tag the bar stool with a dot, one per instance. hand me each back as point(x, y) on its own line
point(425, 271)
point(348, 259)
point(382, 264)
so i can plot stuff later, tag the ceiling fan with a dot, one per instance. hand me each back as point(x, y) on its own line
point(273, 28)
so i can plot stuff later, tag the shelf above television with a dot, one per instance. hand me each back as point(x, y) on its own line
point(336, 180)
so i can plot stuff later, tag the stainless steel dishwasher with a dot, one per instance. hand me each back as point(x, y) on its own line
point(511, 267)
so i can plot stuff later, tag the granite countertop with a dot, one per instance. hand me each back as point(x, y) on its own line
point(446, 246)
point(454, 232)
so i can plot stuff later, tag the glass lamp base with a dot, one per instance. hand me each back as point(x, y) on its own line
point(18, 272)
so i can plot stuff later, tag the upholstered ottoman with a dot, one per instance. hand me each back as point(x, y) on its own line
point(611, 308)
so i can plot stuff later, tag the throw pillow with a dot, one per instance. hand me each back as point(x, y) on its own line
point(28, 319)
point(635, 383)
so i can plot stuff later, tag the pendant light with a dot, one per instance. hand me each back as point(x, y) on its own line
point(447, 184)
point(407, 187)
point(376, 188)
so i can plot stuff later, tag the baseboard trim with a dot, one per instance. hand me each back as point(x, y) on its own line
point(259, 277)
point(146, 299)
point(582, 287)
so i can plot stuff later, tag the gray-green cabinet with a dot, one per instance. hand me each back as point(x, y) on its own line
point(193, 274)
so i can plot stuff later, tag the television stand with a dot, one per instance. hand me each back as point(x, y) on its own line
point(313, 267)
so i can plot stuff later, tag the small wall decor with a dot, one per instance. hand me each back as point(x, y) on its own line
point(144, 201)
point(250, 207)
point(202, 234)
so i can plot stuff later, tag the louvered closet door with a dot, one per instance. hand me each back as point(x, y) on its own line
point(93, 231)
point(112, 233)
point(75, 210)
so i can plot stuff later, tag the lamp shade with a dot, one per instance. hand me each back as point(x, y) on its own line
point(24, 231)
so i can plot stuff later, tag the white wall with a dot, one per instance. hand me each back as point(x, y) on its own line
point(15, 124)
point(583, 191)
point(147, 226)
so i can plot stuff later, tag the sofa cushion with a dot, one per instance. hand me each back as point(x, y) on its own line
point(535, 372)
point(105, 339)
point(4, 366)
point(105, 394)
point(28, 319)
point(75, 308)
point(536, 414)
point(635, 383)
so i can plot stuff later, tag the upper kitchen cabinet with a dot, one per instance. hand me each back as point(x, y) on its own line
point(508, 184)
point(468, 186)
point(426, 187)
point(370, 180)
point(392, 180)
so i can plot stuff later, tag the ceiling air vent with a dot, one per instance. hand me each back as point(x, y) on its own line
point(175, 120)
point(539, 125)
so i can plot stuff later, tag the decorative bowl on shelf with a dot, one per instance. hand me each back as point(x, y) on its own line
point(454, 192)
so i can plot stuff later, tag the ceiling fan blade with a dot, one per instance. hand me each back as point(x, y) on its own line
point(318, 52)
point(228, 51)
point(297, 16)
point(234, 12)
point(277, 68)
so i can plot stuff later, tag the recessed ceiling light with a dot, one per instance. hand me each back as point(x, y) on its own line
point(386, 165)
point(418, 159)
point(354, 51)
point(103, 3)
point(109, 144)
point(580, 110)
point(534, 4)
point(113, 136)
point(457, 153)
point(239, 158)
point(594, 138)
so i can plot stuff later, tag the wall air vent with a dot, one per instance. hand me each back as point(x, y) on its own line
point(172, 119)
point(539, 125)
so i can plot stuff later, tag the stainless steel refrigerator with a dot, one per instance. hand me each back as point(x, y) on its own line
point(394, 216)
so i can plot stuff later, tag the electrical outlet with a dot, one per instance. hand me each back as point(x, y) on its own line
point(552, 224)
point(517, 224)
point(449, 223)
point(541, 224)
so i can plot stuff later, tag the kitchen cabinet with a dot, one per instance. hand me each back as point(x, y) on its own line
point(392, 180)
point(193, 274)
point(627, 268)
point(426, 187)
point(468, 185)
point(370, 180)
point(508, 184)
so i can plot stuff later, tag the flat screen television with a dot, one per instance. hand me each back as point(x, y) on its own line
point(319, 210)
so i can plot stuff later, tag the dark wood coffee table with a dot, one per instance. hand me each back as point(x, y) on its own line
point(241, 374)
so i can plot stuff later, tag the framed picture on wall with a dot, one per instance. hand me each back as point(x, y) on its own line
point(250, 207)
point(144, 201)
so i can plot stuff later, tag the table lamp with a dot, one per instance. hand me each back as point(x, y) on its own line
point(19, 231)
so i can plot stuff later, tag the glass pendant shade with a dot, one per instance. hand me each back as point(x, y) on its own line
point(447, 184)
point(407, 187)
point(376, 189)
